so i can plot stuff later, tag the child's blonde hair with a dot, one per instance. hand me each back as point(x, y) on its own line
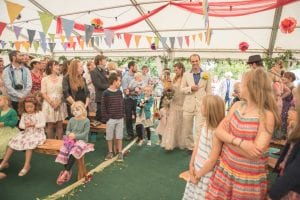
point(214, 110)
point(112, 66)
point(6, 99)
point(79, 105)
point(137, 75)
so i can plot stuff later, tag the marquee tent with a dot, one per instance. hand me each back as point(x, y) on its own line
point(213, 28)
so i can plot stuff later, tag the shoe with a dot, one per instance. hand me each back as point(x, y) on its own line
point(149, 143)
point(140, 143)
point(61, 177)
point(2, 176)
point(120, 157)
point(4, 166)
point(23, 172)
point(109, 156)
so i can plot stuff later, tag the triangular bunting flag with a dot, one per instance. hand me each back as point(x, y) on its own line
point(74, 45)
point(156, 40)
point(200, 36)
point(187, 40)
point(81, 44)
point(42, 37)
point(67, 26)
point(17, 45)
point(71, 39)
point(51, 46)
point(64, 45)
point(93, 41)
point(149, 39)
point(194, 38)
point(17, 31)
point(180, 39)
point(208, 36)
point(163, 41)
point(78, 37)
point(118, 35)
point(11, 44)
point(31, 34)
point(46, 20)
point(36, 45)
point(109, 36)
point(44, 46)
point(52, 36)
point(89, 29)
point(62, 38)
point(97, 41)
point(89, 44)
point(2, 27)
point(172, 41)
point(13, 10)
point(3, 43)
point(26, 45)
point(137, 39)
point(127, 38)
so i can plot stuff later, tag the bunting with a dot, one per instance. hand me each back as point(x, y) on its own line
point(26, 45)
point(51, 46)
point(31, 34)
point(2, 27)
point(52, 36)
point(36, 45)
point(137, 39)
point(127, 38)
point(187, 40)
point(172, 41)
point(18, 45)
point(179, 39)
point(109, 36)
point(46, 20)
point(17, 31)
point(67, 26)
point(89, 29)
point(149, 39)
point(13, 10)
point(163, 41)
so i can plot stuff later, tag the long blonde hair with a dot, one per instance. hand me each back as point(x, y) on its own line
point(261, 93)
point(214, 110)
point(76, 80)
point(295, 133)
point(179, 65)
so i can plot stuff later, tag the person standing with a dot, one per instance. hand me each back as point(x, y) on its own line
point(2, 88)
point(194, 85)
point(130, 98)
point(17, 79)
point(226, 88)
point(99, 78)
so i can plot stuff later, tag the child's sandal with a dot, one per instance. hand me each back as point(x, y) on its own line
point(61, 178)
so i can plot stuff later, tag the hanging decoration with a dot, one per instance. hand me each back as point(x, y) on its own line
point(243, 46)
point(153, 46)
point(288, 25)
point(97, 23)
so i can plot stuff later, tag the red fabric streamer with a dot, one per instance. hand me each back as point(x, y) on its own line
point(288, 25)
point(243, 46)
point(58, 26)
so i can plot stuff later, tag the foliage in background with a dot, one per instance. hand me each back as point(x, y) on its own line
point(287, 57)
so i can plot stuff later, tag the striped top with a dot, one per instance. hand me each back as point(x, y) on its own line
point(112, 105)
point(238, 177)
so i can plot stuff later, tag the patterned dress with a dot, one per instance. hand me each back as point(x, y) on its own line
point(31, 137)
point(54, 91)
point(197, 192)
point(237, 177)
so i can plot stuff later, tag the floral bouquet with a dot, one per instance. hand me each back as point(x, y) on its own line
point(169, 93)
point(205, 76)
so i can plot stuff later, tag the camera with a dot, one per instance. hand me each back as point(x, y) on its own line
point(18, 87)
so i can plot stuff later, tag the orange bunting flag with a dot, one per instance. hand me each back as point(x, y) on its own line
point(17, 45)
point(137, 39)
point(26, 45)
point(81, 44)
point(13, 10)
point(127, 38)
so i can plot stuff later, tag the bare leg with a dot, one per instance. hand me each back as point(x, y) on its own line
point(109, 144)
point(115, 145)
point(7, 155)
point(28, 155)
point(119, 143)
point(49, 130)
point(59, 130)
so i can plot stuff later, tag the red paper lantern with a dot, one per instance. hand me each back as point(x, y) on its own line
point(243, 46)
point(153, 46)
point(288, 25)
point(97, 23)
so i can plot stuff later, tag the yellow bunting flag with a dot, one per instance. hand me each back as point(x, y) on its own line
point(149, 39)
point(137, 39)
point(81, 44)
point(62, 38)
point(13, 10)
point(200, 36)
point(194, 38)
point(46, 20)
point(26, 45)
point(51, 35)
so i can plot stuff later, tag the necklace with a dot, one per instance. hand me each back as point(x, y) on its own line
point(246, 110)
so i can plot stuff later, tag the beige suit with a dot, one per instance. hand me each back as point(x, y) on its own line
point(192, 107)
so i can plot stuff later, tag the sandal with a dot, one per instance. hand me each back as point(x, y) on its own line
point(68, 176)
point(61, 178)
point(23, 172)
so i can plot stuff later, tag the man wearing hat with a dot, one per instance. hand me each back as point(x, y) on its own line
point(255, 61)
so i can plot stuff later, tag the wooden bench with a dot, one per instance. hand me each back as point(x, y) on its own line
point(52, 147)
point(96, 129)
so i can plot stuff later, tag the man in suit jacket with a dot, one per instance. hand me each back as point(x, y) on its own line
point(100, 81)
point(226, 88)
point(195, 85)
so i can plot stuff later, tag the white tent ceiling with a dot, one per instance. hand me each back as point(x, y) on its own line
point(256, 29)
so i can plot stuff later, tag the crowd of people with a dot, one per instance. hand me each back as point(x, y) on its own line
point(226, 125)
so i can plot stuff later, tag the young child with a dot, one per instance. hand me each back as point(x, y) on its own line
point(163, 116)
point(143, 119)
point(33, 123)
point(75, 144)
point(8, 122)
point(135, 88)
point(207, 150)
point(113, 110)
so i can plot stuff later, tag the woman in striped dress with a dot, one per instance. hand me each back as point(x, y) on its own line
point(246, 132)
point(206, 153)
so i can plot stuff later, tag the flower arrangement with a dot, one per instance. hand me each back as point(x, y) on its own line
point(288, 25)
point(169, 93)
point(205, 76)
point(243, 46)
point(97, 23)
